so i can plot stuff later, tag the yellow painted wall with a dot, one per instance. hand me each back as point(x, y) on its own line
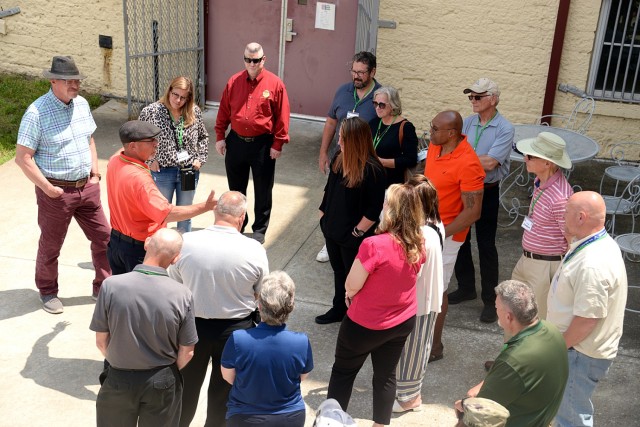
point(44, 29)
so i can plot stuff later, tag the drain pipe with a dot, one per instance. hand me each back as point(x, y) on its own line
point(556, 57)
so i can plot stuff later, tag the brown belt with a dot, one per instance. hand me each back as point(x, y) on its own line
point(77, 184)
point(542, 257)
point(265, 137)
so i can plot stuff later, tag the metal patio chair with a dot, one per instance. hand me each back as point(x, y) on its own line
point(621, 171)
point(630, 246)
point(579, 119)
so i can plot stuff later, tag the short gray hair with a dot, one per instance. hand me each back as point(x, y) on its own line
point(276, 298)
point(232, 203)
point(520, 300)
point(393, 98)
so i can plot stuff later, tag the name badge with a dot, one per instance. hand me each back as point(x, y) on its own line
point(352, 114)
point(183, 156)
point(527, 223)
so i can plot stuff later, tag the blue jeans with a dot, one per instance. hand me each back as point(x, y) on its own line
point(168, 181)
point(585, 372)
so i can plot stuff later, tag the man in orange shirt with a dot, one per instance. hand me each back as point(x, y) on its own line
point(456, 173)
point(138, 209)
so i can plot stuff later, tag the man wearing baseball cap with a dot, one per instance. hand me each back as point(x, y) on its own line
point(56, 151)
point(491, 136)
point(138, 209)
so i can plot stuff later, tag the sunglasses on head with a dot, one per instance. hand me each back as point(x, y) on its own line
point(380, 105)
point(476, 97)
point(254, 60)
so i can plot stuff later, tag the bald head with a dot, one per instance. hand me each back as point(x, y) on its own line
point(163, 248)
point(585, 214)
point(451, 119)
point(253, 48)
point(230, 209)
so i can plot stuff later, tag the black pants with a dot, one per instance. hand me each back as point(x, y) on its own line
point(243, 156)
point(145, 398)
point(354, 344)
point(290, 419)
point(341, 258)
point(212, 336)
point(123, 256)
point(486, 228)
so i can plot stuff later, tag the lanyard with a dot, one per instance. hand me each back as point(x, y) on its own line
point(135, 164)
point(378, 137)
point(533, 202)
point(180, 129)
point(584, 244)
point(149, 272)
point(478, 136)
point(355, 96)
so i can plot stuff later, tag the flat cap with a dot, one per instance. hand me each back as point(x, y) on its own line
point(137, 130)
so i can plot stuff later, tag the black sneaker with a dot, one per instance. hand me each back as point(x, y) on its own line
point(456, 297)
point(331, 316)
point(489, 314)
point(259, 237)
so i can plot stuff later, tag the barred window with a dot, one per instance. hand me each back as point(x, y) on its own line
point(616, 54)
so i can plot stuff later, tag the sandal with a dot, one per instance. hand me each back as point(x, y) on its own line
point(434, 357)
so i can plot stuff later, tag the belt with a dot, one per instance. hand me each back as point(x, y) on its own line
point(265, 137)
point(77, 184)
point(126, 238)
point(159, 368)
point(492, 184)
point(542, 257)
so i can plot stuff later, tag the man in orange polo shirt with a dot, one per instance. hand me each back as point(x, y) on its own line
point(138, 209)
point(456, 173)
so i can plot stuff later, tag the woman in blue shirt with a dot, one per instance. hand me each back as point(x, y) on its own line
point(266, 364)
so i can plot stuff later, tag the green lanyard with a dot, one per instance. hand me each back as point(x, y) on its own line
point(135, 164)
point(355, 96)
point(378, 137)
point(478, 136)
point(533, 202)
point(149, 272)
point(180, 129)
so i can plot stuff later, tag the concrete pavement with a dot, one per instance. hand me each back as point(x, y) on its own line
point(50, 363)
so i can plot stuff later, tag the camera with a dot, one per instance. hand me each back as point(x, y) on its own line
point(187, 179)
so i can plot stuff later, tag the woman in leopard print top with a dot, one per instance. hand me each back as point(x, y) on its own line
point(183, 142)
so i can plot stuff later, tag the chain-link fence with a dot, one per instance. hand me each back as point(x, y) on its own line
point(164, 39)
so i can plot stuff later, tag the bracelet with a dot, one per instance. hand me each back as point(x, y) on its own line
point(357, 232)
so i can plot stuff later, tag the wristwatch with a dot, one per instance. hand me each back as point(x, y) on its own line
point(92, 174)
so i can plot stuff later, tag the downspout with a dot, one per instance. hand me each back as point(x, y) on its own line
point(556, 57)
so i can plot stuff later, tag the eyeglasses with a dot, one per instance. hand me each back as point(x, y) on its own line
point(179, 97)
point(254, 60)
point(476, 97)
point(530, 157)
point(434, 129)
point(359, 73)
point(72, 82)
point(380, 105)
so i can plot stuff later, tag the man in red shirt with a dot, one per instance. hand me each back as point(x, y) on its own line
point(256, 104)
point(138, 209)
point(456, 173)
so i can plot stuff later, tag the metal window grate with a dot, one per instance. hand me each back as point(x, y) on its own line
point(616, 60)
point(163, 40)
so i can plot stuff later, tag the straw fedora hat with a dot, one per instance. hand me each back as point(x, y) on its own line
point(63, 68)
point(548, 146)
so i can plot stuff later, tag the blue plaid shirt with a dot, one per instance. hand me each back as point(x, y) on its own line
point(60, 135)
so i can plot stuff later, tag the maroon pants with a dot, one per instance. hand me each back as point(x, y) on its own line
point(54, 216)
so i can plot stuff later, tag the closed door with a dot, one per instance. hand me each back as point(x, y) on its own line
point(312, 64)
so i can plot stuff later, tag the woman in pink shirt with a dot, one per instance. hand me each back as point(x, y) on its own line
point(381, 295)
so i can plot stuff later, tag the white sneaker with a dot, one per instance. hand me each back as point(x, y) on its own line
point(323, 255)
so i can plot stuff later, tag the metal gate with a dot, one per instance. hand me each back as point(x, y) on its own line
point(163, 39)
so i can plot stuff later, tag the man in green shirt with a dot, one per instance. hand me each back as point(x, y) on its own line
point(529, 375)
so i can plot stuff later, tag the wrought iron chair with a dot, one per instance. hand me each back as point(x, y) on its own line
point(630, 246)
point(621, 172)
point(627, 204)
point(579, 119)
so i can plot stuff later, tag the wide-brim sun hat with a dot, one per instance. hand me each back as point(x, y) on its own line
point(548, 146)
point(63, 68)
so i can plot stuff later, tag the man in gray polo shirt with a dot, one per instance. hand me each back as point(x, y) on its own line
point(145, 329)
point(224, 270)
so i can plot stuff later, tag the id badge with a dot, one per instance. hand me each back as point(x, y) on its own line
point(183, 156)
point(352, 114)
point(527, 223)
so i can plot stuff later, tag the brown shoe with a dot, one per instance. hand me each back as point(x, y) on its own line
point(488, 365)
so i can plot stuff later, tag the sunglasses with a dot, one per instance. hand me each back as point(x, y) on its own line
point(476, 97)
point(359, 73)
point(530, 157)
point(380, 105)
point(254, 60)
